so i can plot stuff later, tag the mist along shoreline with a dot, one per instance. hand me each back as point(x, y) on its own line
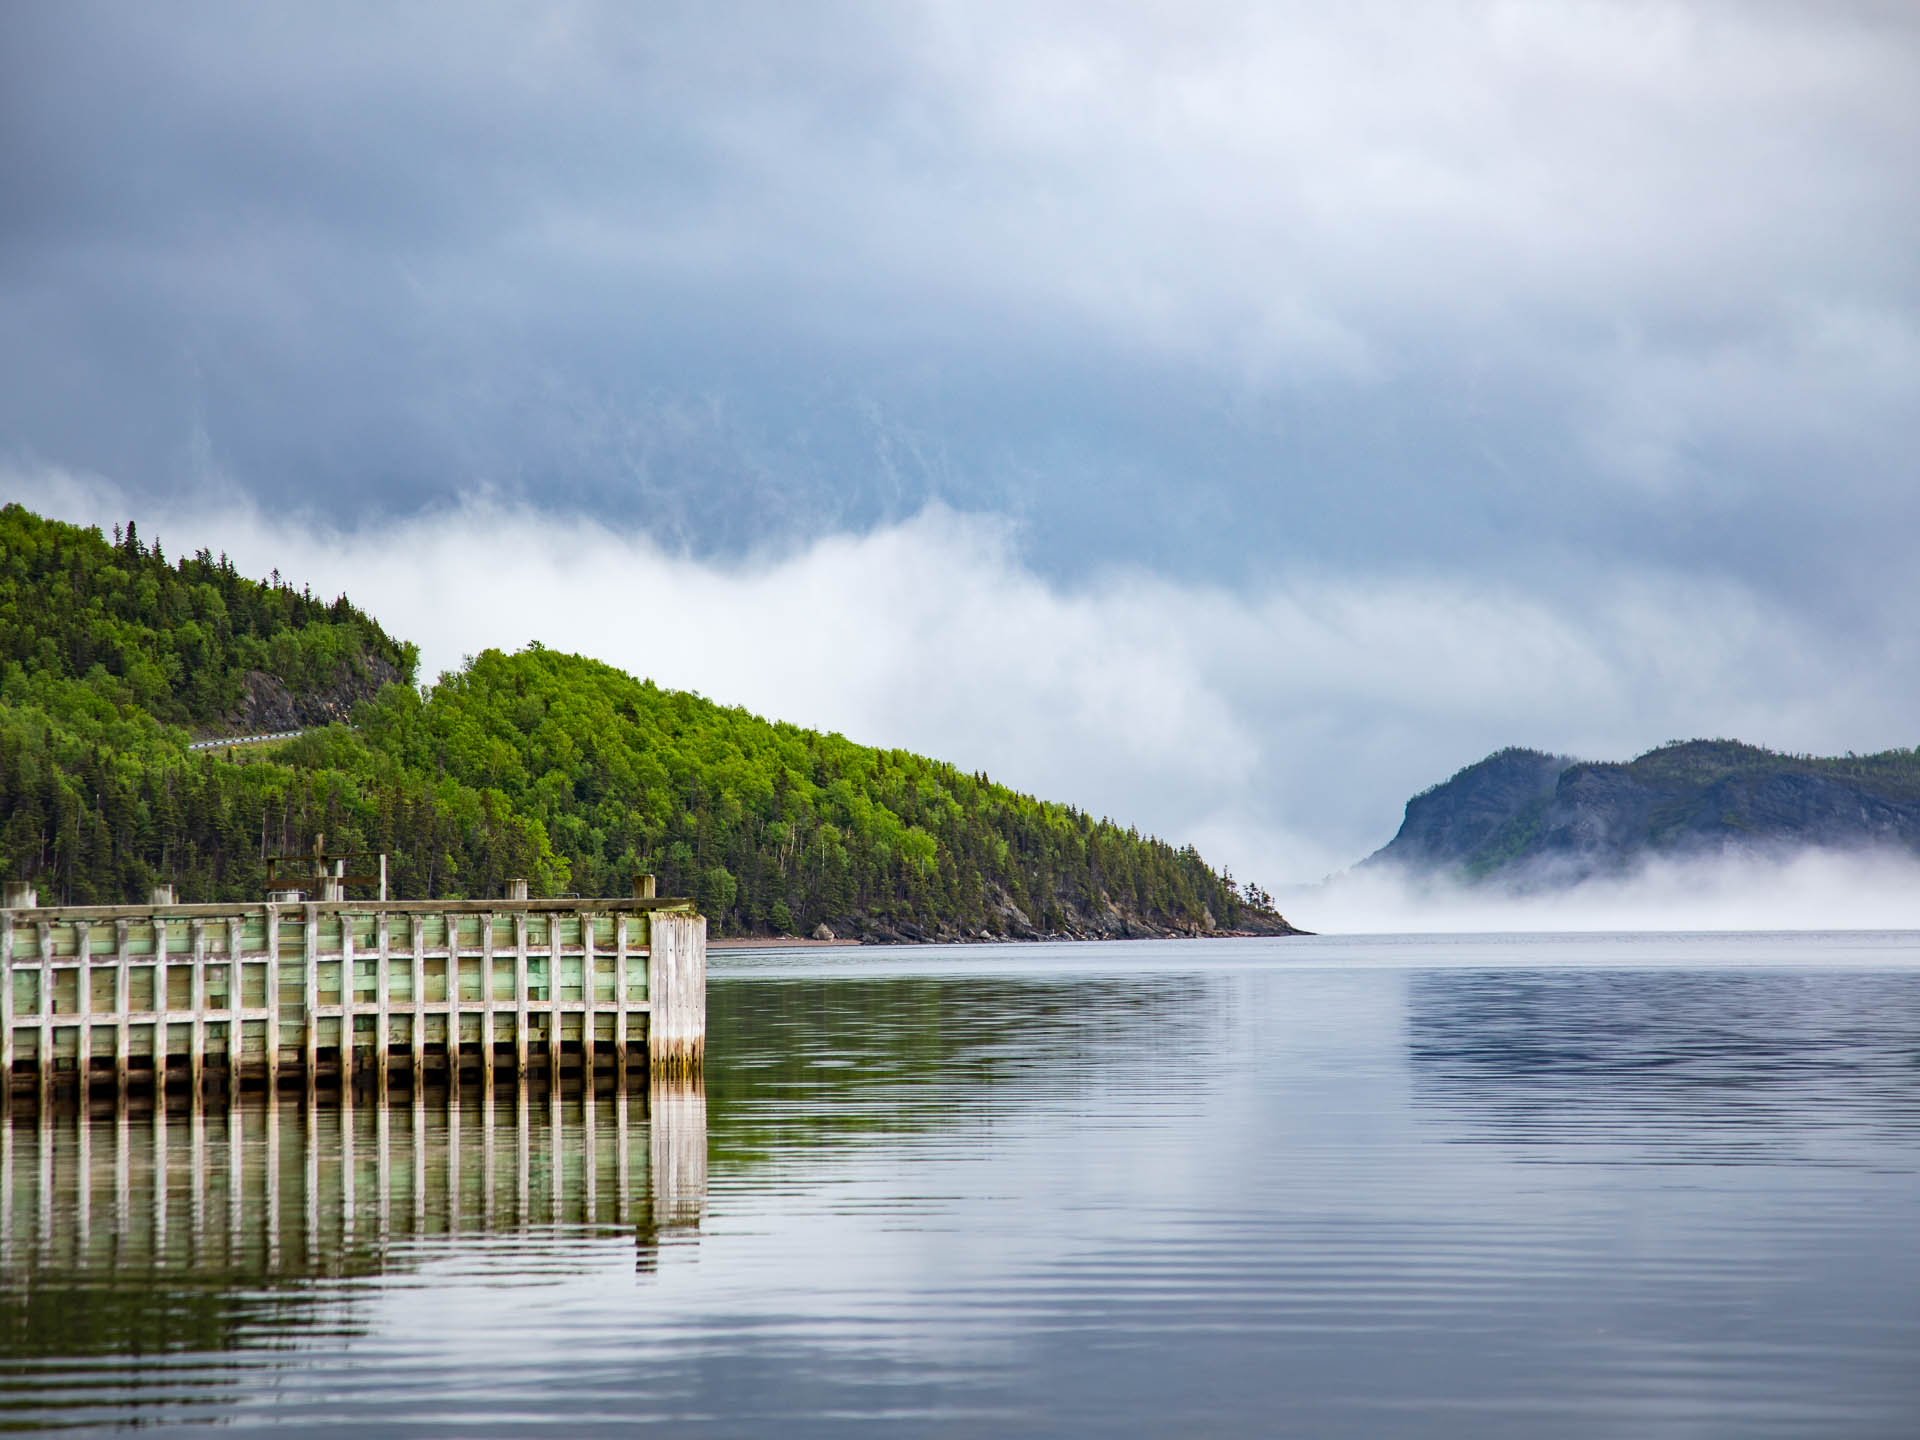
point(794, 942)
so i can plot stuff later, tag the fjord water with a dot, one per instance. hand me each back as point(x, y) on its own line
point(1433, 1186)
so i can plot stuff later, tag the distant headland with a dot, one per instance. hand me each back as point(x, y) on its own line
point(1534, 821)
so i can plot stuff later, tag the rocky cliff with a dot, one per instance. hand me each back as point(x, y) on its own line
point(1535, 820)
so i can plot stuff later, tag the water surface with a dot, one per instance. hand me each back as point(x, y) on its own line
point(1651, 1185)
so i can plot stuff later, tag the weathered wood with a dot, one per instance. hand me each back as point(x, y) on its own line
point(236, 1002)
point(589, 984)
point(123, 1002)
point(197, 991)
point(486, 1001)
point(620, 1006)
point(676, 992)
point(310, 989)
point(273, 998)
point(46, 1014)
point(382, 1023)
point(6, 1014)
point(418, 1077)
point(53, 995)
point(83, 986)
point(521, 1002)
point(349, 1040)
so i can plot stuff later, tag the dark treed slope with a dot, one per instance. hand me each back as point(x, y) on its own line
point(539, 764)
point(1539, 820)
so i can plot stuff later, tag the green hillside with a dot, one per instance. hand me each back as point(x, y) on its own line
point(537, 764)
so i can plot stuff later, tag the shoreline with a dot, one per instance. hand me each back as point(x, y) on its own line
point(794, 942)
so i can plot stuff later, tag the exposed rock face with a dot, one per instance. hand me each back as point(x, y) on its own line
point(1455, 821)
point(1537, 821)
point(268, 705)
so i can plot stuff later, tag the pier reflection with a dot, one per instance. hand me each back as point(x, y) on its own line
point(133, 1230)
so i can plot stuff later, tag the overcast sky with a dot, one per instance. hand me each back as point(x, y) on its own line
point(1230, 417)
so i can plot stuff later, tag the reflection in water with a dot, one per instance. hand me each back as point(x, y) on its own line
point(1714, 1065)
point(140, 1231)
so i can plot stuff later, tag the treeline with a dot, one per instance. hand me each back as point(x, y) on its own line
point(174, 640)
point(543, 765)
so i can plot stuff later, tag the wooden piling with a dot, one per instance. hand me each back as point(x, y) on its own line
point(6, 1013)
point(310, 990)
point(123, 1003)
point(382, 1023)
point(197, 990)
point(486, 1001)
point(83, 997)
point(418, 1076)
point(522, 1004)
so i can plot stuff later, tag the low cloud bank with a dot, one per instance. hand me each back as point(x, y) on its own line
point(1280, 730)
point(1807, 890)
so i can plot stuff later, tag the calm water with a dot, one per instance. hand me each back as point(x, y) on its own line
point(1638, 1186)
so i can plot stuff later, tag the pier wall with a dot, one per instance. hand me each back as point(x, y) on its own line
point(237, 995)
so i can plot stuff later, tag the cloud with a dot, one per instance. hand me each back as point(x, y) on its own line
point(1280, 730)
point(1204, 291)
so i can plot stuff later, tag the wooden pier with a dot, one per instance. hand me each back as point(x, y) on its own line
point(225, 997)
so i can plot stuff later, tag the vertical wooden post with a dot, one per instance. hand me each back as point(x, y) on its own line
point(349, 1000)
point(46, 1022)
point(556, 1025)
point(310, 1042)
point(197, 991)
point(382, 1036)
point(486, 1000)
point(160, 1012)
point(521, 999)
point(620, 1001)
point(589, 982)
point(122, 1002)
point(236, 1007)
point(420, 1006)
point(663, 995)
point(6, 1026)
point(273, 998)
point(83, 996)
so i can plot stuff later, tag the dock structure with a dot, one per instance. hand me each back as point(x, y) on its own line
point(294, 991)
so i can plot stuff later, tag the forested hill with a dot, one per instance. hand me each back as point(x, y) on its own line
point(1537, 820)
point(536, 764)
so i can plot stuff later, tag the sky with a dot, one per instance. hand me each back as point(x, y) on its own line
point(1231, 418)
